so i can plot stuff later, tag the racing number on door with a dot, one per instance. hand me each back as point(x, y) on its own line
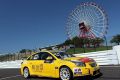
point(37, 68)
point(40, 67)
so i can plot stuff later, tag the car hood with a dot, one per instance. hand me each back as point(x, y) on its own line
point(82, 59)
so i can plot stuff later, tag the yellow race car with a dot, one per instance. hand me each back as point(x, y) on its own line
point(58, 65)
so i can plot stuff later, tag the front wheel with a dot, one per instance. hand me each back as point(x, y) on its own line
point(66, 73)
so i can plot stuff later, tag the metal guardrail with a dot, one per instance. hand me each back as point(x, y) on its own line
point(14, 56)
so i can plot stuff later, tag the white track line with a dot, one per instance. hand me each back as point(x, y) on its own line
point(9, 77)
point(109, 66)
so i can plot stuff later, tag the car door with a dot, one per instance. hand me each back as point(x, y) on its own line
point(36, 64)
point(49, 66)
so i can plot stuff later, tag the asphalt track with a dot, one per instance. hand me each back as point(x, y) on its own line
point(109, 73)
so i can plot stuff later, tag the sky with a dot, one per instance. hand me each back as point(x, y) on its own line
point(30, 24)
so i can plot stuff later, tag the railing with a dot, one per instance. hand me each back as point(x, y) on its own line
point(108, 57)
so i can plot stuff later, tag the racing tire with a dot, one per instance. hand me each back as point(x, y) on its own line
point(26, 73)
point(66, 73)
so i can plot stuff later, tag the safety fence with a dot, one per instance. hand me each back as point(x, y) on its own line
point(107, 57)
point(14, 56)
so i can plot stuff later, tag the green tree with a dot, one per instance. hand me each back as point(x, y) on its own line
point(116, 39)
point(78, 42)
point(98, 41)
point(86, 42)
point(68, 42)
point(25, 50)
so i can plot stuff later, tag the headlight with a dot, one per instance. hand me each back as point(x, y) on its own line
point(81, 64)
point(94, 64)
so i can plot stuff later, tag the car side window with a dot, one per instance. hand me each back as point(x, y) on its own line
point(44, 55)
point(36, 57)
point(40, 56)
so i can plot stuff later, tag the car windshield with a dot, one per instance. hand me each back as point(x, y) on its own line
point(62, 55)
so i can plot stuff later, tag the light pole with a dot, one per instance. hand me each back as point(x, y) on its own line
point(74, 45)
point(84, 44)
point(106, 42)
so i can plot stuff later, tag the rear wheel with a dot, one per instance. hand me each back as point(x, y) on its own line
point(26, 73)
point(66, 73)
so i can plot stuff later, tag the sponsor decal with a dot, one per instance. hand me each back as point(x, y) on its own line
point(85, 59)
point(77, 71)
point(56, 67)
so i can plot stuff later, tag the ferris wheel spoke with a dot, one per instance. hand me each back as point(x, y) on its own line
point(96, 29)
point(77, 13)
point(97, 32)
point(91, 17)
point(74, 15)
point(72, 19)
